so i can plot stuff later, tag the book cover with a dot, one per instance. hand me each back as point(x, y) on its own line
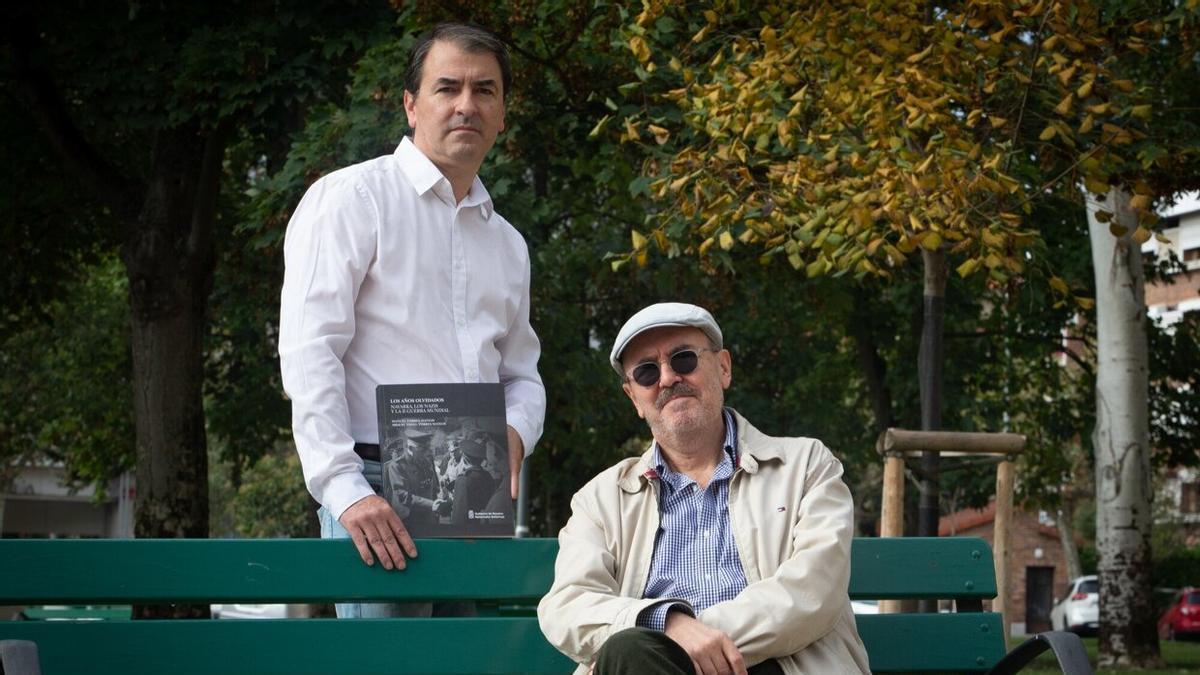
point(444, 452)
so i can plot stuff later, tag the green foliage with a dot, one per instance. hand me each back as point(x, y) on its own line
point(1178, 568)
point(1174, 382)
point(1089, 560)
point(41, 262)
point(65, 391)
point(272, 500)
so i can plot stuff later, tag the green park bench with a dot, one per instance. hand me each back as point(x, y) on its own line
point(506, 576)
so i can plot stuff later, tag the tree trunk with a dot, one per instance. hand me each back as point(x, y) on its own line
point(1066, 536)
point(1121, 438)
point(1071, 492)
point(873, 367)
point(169, 259)
point(929, 370)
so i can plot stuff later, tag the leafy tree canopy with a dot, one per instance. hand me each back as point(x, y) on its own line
point(845, 136)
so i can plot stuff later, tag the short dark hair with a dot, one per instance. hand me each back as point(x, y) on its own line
point(467, 37)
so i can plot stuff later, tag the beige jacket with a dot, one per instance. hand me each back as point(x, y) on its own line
point(791, 517)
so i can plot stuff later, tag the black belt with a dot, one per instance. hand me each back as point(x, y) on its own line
point(367, 450)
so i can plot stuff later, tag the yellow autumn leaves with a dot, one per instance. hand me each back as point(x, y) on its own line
point(846, 136)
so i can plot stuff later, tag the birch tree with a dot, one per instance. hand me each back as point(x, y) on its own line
point(1122, 436)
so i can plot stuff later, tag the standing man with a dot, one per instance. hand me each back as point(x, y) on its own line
point(720, 549)
point(399, 270)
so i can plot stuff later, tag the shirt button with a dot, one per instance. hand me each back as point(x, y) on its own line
point(708, 576)
point(706, 534)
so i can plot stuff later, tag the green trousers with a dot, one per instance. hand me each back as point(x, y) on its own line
point(641, 651)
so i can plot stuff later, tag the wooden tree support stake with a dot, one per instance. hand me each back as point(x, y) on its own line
point(896, 444)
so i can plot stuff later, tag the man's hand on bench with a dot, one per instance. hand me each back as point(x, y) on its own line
point(374, 526)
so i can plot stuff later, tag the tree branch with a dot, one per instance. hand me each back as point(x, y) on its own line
point(1051, 339)
point(46, 106)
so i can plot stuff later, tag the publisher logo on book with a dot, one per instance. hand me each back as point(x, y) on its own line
point(485, 515)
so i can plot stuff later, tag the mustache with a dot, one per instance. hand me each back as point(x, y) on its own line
point(680, 388)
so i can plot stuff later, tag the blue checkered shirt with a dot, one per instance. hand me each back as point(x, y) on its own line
point(695, 557)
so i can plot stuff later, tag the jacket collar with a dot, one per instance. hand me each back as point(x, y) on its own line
point(754, 447)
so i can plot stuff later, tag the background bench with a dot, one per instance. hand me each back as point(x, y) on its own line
point(509, 575)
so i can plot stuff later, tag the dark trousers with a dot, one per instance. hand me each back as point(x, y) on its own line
point(638, 651)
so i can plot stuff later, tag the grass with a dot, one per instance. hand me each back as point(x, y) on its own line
point(1180, 656)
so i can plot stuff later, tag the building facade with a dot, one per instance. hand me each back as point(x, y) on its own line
point(39, 503)
point(1037, 563)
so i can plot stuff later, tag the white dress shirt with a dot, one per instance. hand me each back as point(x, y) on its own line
point(388, 281)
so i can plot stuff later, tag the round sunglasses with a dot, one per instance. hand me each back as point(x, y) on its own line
point(682, 362)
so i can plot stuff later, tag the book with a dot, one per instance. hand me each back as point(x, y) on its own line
point(444, 454)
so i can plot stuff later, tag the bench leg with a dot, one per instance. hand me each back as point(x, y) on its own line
point(19, 657)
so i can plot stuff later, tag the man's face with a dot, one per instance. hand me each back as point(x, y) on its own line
point(458, 109)
point(677, 403)
point(418, 448)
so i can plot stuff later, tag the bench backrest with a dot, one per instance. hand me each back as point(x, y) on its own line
point(509, 572)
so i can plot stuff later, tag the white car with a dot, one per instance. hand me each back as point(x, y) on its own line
point(1078, 610)
point(865, 606)
point(250, 611)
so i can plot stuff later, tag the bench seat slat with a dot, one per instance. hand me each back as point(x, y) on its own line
point(293, 646)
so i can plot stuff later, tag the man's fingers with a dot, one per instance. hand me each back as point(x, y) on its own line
point(385, 545)
point(516, 454)
point(393, 550)
point(734, 657)
point(360, 543)
point(710, 665)
point(403, 537)
point(379, 543)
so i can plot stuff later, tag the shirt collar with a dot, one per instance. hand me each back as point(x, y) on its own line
point(425, 177)
point(660, 469)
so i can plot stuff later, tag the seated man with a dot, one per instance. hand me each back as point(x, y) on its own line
point(720, 549)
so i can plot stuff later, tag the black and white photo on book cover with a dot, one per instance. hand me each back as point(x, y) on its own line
point(445, 459)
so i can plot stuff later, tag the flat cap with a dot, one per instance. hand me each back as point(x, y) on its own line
point(662, 315)
point(473, 448)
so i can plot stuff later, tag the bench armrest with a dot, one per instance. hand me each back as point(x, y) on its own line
point(19, 657)
point(1067, 648)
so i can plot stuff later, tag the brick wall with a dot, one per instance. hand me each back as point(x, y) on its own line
point(1182, 287)
point(1026, 537)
